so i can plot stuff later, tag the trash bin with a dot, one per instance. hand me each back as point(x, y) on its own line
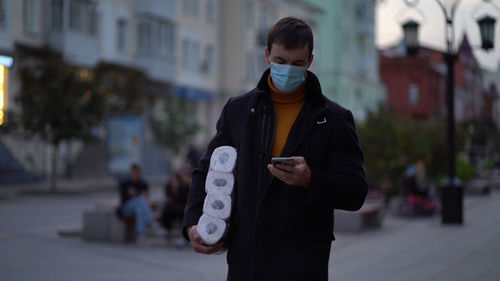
point(452, 195)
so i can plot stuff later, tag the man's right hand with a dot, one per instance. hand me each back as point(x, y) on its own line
point(198, 244)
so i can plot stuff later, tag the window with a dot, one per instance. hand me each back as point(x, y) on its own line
point(166, 37)
point(74, 15)
point(413, 94)
point(191, 55)
point(121, 41)
point(144, 30)
point(57, 15)
point(250, 14)
point(3, 12)
point(195, 7)
point(83, 16)
point(210, 10)
point(30, 15)
point(185, 54)
point(195, 55)
point(185, 6)
point(263, 18)
point(90, 17)
point(156, 36)
point(191, 7)
point(250, 65)
point(208, 64)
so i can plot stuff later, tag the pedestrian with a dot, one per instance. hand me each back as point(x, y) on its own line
point(175, 201)
point(135, 203)
point(281, 227)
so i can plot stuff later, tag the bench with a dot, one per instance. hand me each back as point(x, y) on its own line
point(370, 216)
point(102, 224)
point(495, 182)
point(478, 186)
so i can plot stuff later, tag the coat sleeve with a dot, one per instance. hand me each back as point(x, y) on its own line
point(197, 194)
point(341, 184)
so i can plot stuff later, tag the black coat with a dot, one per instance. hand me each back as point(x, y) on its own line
point(282, 232)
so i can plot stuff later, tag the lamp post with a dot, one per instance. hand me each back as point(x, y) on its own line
point(451, 191)
point(410, 31)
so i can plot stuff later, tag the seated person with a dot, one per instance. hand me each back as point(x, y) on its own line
point(416, 191)
point(176, 195)
point(134, 202)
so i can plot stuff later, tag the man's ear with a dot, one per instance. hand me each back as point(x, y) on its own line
point(268, 58)
point(310, 60)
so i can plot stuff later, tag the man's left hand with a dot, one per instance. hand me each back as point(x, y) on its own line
point(298, 174)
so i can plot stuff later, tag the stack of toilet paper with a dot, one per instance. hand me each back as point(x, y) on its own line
point(219, 187)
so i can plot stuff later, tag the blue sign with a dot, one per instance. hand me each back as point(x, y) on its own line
point(124, 142)
point(192, 93)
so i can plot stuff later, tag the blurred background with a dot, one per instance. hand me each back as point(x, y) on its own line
point(89, 87)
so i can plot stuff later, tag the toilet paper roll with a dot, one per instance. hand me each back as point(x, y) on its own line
point(223, 159)
point(211, 229)
point(218, 206)
point(219, 183)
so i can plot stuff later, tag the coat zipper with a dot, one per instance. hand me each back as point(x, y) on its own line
point(268, 138)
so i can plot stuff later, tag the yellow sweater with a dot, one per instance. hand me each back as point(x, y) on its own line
point(286, 108)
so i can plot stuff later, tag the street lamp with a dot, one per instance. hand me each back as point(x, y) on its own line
point(451, 191)
point(410, 31)
point(487, 30)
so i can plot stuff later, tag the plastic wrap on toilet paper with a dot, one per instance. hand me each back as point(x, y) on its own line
point(211, 229)
point(218, 206)
point(223, 159)
point(219, 183)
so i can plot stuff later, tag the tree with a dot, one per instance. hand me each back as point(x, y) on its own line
point(178, 123)
point(57, 103)
point(392, 141)
point(122, 88)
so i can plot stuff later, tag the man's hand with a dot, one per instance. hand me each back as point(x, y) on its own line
point(298, 174)
point(198, 244)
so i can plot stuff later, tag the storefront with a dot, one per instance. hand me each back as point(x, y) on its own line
point(5, 64)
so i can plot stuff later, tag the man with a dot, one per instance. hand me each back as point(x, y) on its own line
point(281, 227)
point(134, 203)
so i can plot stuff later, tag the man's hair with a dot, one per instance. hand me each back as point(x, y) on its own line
point(292, 33)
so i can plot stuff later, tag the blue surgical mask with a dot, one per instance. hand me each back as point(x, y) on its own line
point(287, 78)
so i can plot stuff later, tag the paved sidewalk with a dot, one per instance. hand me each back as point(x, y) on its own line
point(403, 250)
point(424, 249)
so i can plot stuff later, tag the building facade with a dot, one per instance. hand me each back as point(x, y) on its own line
point(416, 84)
point(491, 83)
point(346, 56)
point(204, 50)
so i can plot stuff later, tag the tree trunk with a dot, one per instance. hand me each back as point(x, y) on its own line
point(53, 171)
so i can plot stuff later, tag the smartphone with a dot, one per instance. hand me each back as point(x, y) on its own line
point(282, 161)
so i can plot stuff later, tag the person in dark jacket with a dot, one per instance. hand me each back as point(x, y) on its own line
point(176, 195)
point(281, 226)
point(134, 202)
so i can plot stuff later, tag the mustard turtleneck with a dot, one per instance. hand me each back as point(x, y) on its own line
point(286, 108)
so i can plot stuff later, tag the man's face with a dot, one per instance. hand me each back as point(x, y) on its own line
point(135, 174)
point(296, 57)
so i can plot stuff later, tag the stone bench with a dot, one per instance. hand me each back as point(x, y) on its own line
point(494, 182)
point(478, 186)
point(102, 224)
point(370, 216)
